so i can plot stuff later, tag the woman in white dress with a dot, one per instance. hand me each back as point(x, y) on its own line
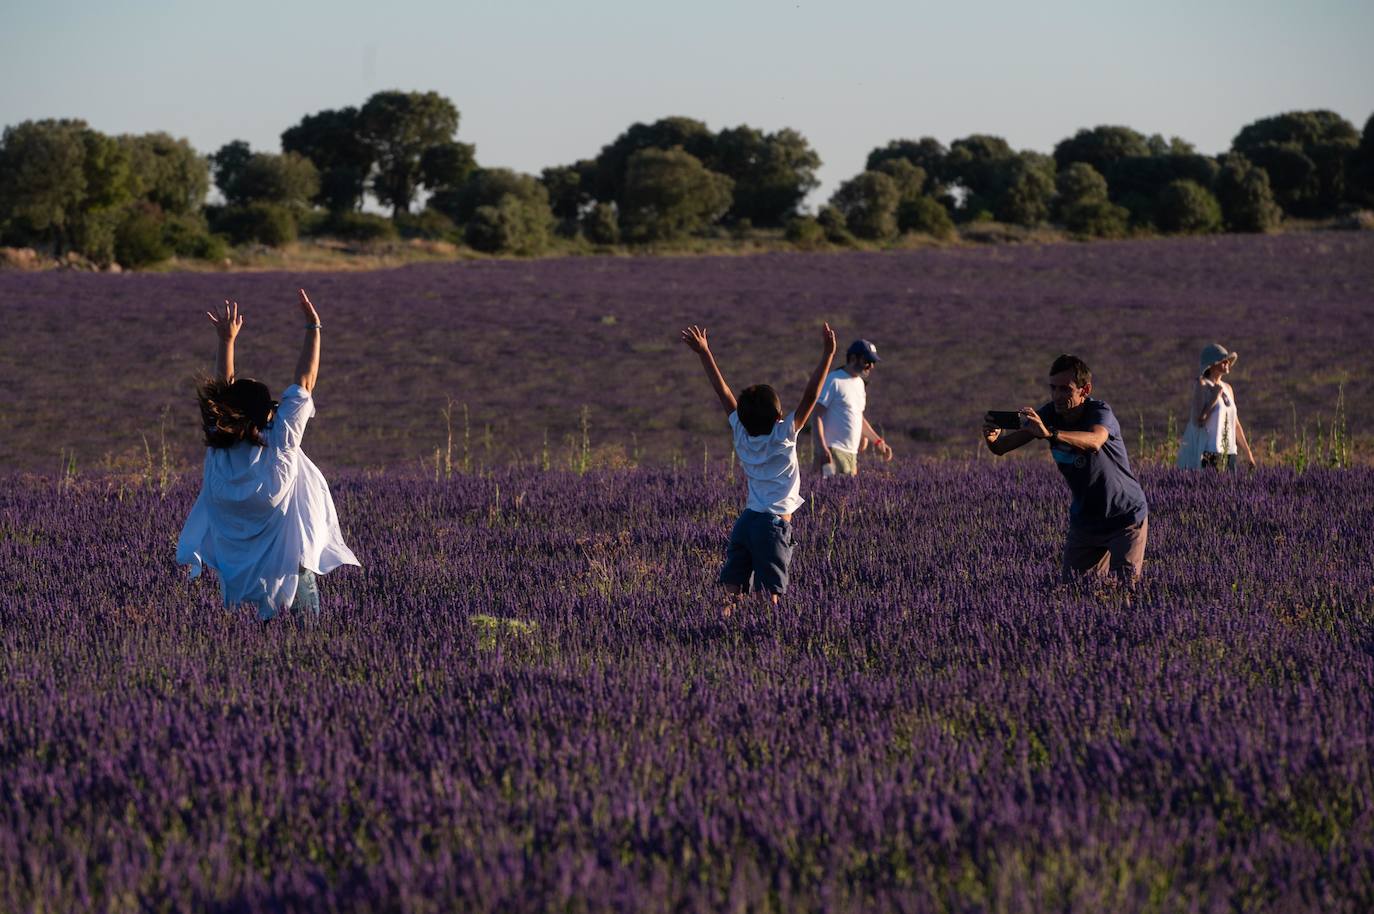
point(1214, 435)
point(264, 520)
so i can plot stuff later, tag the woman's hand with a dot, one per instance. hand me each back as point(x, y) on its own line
point(311, 315)
point(227, 322)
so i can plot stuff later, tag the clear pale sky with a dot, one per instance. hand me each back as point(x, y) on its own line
point(546, 83)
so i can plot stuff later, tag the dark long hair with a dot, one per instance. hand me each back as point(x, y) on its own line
point(234, 412)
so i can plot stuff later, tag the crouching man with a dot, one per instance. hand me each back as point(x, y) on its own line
point(1108, 516)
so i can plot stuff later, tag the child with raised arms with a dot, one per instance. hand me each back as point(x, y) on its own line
point(264, 519)
point(761, 541)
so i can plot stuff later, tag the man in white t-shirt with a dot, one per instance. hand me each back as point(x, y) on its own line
point(761, 542)
point(841, 429)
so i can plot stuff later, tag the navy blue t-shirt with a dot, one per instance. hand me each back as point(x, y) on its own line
point(1106, 495)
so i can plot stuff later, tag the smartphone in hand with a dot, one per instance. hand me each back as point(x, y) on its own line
point(1004, 419)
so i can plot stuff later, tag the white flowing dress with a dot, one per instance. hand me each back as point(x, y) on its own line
point(264, 514)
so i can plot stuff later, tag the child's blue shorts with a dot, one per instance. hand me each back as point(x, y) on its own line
point(760, 545)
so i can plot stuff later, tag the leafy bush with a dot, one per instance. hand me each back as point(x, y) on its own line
point(601, 224)
point(869, 203)
point(264, 223)
point(804, 232)
point(1247, 203)
point(925, 214)
point(1187, 207)
point(429, 224)
point(138, 241)
point(353, 226)
point(189, 236)
point(669, 193)
point(833, 223)
point(513, 226)
point(1095, 217)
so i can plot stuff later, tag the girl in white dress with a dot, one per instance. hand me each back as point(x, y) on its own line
point(264, 520)
point(1214, 435)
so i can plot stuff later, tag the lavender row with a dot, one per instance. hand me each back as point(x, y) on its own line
point(98, 368)
point(528, 699)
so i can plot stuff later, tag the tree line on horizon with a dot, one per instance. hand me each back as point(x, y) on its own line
point(136, 200)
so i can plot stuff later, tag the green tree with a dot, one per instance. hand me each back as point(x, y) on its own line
point(334, 141)
point(227, 163)
point(1305, 155)
point(42, 180)
point(1104, 146)
point(511, 226)
point(1136, 182)
point(975, 167)
point(772, 172)
point(447, 164)
point(832, 222)
point(1361, 187)
point(601, 224)
point(910, 179)
point(487, 187)
point(612, 163)
point(569, 188)
point(1247, 203)
point(926, 215)
point(669, 193)
point(1080, 182)
point(167, 172)
point(868, 202)
point(289, 179)
point(1024, 189)
point(927, 154)
point(399, 127)
point(1187, 207)
point(1082, 205)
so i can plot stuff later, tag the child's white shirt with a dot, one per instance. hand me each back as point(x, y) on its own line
point(770, 464)
point(263, 514)
point(844, 397)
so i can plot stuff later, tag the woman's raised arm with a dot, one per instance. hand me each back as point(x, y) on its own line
point(227, 324)
point(308, 365)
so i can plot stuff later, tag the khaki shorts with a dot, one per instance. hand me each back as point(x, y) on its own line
point(846, 463)
point(1096, 555)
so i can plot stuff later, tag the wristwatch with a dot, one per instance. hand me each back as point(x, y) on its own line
point(1054, 435)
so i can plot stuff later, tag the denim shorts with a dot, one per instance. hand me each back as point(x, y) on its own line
point(760, 547)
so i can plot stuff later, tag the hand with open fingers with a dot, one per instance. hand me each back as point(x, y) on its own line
point(227, 321)
point(695, 338)
point(827, 338)
point(1031, 422)
point(311, 315)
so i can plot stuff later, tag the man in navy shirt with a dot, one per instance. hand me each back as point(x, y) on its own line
point(1108, 517)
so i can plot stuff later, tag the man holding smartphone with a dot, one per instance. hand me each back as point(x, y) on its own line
point(1108, 518)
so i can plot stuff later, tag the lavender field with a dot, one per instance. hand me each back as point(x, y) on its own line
point(528, 697)
point(539, 351)
point(527, 700)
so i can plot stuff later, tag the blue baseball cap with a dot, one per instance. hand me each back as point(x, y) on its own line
point(864, 350)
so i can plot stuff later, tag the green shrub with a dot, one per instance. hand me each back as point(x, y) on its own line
point(354, 226)
point(138, 241)
point(869, 203)
point(1187, 207)
point(601, 224)
point(1247, 201)
point(833, 223)
point(429, 224)
point(927, 215)
point(513, 226)
point(264, 223)
point(1094, 217)
point(804, 232)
